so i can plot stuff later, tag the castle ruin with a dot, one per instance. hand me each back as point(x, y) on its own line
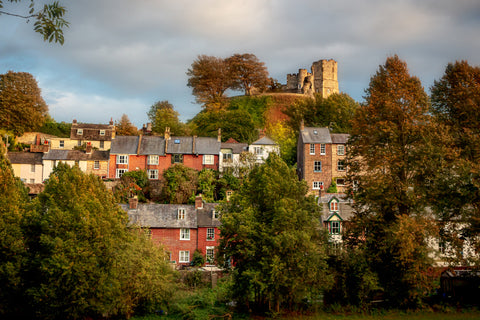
point(323, 79)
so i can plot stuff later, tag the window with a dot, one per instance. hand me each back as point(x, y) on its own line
point(79, 132)
point(312, 148)
point(184, 256)
point(152, 160)
point(122, 159)
point(340, 150)
point(210, 254)
point(32, 180)
point(210, 233)
point(102, 132)
point(208, 159)
point(152, 174)
point(341, 165)
point(441, 247)
point(181, 214)
point(102, 144)
point(317, 185)
point(228, 194)
point(258, 150)
point(317, 166)
point(214, 214)
point(335, 248)
point(340, 182)
point(177, 158)
point(334, 227)
point(32, 168)
point(120, 172)
point(79, 143)
point(96, 164)
point(184, 234)
point(334, 205)
point(61, 144)
point(322, 149)
point(227, 156)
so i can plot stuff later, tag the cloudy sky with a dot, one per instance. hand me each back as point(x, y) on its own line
point(121, 56)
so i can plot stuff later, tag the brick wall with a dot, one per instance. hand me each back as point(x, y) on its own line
point(170, 238)
point(308, 172)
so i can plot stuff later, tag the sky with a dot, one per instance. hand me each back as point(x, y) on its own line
point(122, 56)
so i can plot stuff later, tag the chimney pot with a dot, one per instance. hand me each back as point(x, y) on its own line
point(198, 202)
point(133, 202)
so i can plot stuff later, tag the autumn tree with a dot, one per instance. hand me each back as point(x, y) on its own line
point(124, 127)
point(390, 159)
point(49, 20)
point(22, 107)
point(248, 73)
point(162, 115)
point(456, 105)
point(209, 77)
point(271, 233)
point(180, 184)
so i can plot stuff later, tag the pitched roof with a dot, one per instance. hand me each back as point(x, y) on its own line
point(152, 145)
point(205, 216)
point(264, 141)
point(156, 215)
point(315, 135)
point(124, 145)
point(76, 155)
point(340, 138)
point(207, 145)
point(25, 157)
point(91, 131)
point(345, 206)
point(236, 147)
point(181, 145)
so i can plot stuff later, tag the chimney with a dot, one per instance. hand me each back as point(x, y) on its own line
point(302, 125)
point(194, 141)
point(74, 122)
point(166, 136)
point(111, 122)
point(133, 202)
point(149, 127)
point(139, 144)
point(199, 202)
point(219, 135)
point(38, 140)
point(88, 149)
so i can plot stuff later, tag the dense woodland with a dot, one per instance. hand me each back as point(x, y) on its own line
point(414, 172)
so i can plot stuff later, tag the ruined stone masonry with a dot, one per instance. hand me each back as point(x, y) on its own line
point(323, 79)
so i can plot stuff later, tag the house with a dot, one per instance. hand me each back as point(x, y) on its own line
point(99, 136)
point(321, 158)
point(181, 228)
point(27, 166)
point(89, 161)
point(262, 149)
point(230, 154)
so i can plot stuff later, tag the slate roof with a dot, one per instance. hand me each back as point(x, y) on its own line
point(345, 208)
point(124, 145)
point(183, 145)
point(264, 141)
point(152, 145)
point(315, 135)
point(154, 215)
point(76, 155)
point(236, 147)
point(91, 132)
point(205, 216)
point(25, 157)
point(207, 145)
point(340, 138)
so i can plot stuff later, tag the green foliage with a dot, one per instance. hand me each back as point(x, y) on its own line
point(49, 21)
point(270, 230)
point(333, 187)
point(180, 183)
point(206, 184)
point(162, 115)
point(22, 107)
point(286, 138)
point(59, 129)
point(198, 259)
point(224, 183)
point(132, 183)
point(255, 106)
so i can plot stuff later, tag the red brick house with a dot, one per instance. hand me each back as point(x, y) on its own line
point(182, 229)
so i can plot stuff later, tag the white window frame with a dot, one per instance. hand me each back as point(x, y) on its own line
point(152, 174)
point(315, 163)
point(335, 229)
point(79, 132)
point(312, 148)
point(96, 164)
point(334, 205)
point(323, 149)
point(102, 132)
point(317, 185)
point(210, 234)
point(227, 157)
point(120, 172)
point(184, 256)
point(214, 214)
point(152, 159)
point(341, 150)
point(184, 234)
point(181, 213)
point(208, 159)
point(210, 254)
point(258, 150)
point(122, 158)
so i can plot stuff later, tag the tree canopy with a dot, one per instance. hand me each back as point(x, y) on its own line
point(124, 127)
point(270, 232)
point(248, 73)
point(22, 107)
point(162, 115)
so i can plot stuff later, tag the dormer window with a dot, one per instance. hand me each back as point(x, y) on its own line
point(79, 132)
point(181, 214)
point(334, 205)
point(102, 132)
point(315, 132)
point(214, 214)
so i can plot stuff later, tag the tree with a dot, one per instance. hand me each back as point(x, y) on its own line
point(84, 262)
point(59, 129)
point(162, 115)
point(124, 127)
point(209, 78)
point(456, 105)
point(271, 233)
point(286, 138)
point(132, 183)
point(390, 161)
point(13, 202)
point(180, 184)
point(49, 20)
point(206, 184)
point(22, 107)
point(248, 73)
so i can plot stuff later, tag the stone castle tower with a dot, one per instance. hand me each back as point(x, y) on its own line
point(323, 79)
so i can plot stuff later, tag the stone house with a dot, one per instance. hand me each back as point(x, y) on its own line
point(180, 228)
point(99, 136)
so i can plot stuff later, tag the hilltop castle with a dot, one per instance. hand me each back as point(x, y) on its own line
point(323, 79)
